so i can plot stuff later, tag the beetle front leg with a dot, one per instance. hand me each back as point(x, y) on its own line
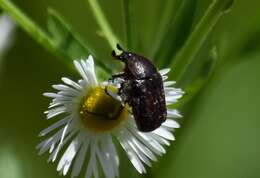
point(120, 75)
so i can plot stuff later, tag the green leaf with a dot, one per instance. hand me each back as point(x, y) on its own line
point(176, 33)
point(216, 9)
point(70, 43)
point(64, 37)
point(28, 25)
point(103, 23)
point(129, 19)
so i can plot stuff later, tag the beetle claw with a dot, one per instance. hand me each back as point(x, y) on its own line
point(119, 47)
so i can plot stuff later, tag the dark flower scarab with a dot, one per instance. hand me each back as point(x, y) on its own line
point(142, 88)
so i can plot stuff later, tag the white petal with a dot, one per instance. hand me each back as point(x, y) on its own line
point(54, 105)
point(173, 97)
point(55, 111)
point(160, 139)
point(88, 67)
point(132, 155)
point(144, 149)
point(81, 156)
point(64, 133)
point(148, 141)
point(52, 95)
point(164, 77)
point(92, 161)
point(68, 93)
point(63, 100)
point(173, 113)
point(105, 164)
point(54, 126)
point(171, 123)
point(62, 87)
point(164, 71)
point(71, 83)
point(65, 141)
point(69, 155)
point(114, 156)
point(44, 145)
point(81, 70)
point(152, 142)
point(90, 62)
point(174, 91)
point(168, 83)
point(164, 133)
point(139, 152)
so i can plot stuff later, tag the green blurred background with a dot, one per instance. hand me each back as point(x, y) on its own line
point(219, 137)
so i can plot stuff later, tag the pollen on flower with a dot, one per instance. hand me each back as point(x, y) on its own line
point(100, 112)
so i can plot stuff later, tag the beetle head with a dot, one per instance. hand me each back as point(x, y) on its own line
point(123, 56)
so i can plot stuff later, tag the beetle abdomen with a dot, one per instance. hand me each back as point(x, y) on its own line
point(148, 106)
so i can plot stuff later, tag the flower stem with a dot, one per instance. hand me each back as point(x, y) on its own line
point(32, 29)
point(129, 21)
point(186, 55)
point(103, 23)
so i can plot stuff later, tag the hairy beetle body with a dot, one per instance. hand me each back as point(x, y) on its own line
point(143, 90)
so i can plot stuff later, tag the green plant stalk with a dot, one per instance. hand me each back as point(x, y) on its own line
point(103, 23)
point(168, 13)
point(198, 37)
point(32, 29)
point(129, 20)
point(39, 35)
point(177, 32)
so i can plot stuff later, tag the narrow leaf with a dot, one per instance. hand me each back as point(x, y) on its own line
point(198, 36)
point(65, 37)
point(68, 40)
point(129, 20)
point(177, 32)
point(35, 31)
point(103, 23)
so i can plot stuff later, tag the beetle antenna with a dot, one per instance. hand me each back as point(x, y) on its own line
point(119, 47)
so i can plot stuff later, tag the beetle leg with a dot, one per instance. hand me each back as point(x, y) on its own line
point(106, 91)
point(106, 116)
point(121, 75)
point(115, 96)
point(118, 57)
point(114, 54)
point(96, 114)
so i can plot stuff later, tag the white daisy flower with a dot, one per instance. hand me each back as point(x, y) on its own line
point(83, 139)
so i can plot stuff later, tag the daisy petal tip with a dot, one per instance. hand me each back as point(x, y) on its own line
point(165, 71)
point(41, 134)
point(90, 57)
point(75, 62)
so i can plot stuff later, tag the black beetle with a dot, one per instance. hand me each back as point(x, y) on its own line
point(142, 88)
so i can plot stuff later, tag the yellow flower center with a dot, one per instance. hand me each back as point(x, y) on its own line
point(100, 112)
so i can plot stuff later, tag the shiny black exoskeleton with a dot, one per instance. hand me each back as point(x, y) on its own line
point(142, 88)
